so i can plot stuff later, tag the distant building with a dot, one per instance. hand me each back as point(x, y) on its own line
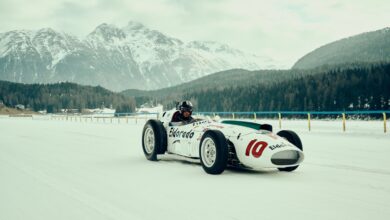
point(100, 111)
point(149, 108)
point(20, 107)
point(70, 111)
point(42, 112)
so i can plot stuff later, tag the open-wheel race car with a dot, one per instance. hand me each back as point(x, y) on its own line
point(224, 143)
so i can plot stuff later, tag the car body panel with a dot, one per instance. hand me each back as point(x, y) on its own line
point(255, 149)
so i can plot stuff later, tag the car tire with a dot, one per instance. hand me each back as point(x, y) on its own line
point(293, 138)
point(154, 139)
point(213, 152)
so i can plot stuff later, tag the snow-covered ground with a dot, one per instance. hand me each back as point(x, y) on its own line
point(56, 169)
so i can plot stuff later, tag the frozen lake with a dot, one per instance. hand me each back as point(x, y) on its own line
point(52, 169)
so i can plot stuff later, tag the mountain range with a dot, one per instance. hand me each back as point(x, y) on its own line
point(358, 54)
point(349, 74)
point(116, 58)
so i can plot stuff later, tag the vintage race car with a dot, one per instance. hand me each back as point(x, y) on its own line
point(224, 143)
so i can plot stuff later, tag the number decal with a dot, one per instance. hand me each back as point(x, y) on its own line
point(257, 149)
point(248, 149)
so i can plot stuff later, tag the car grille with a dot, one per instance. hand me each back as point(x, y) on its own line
point(287, 157)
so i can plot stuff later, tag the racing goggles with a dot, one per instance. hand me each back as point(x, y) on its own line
point(184, 109)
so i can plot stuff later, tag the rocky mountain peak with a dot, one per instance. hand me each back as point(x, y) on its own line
point(48, 31)
point(213, 46)
point(136, 31)
point(107, 32)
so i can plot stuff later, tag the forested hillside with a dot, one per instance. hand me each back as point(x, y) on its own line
point(219, 81)
point(359, 87)
point(54, 97)
point(367, 47)
point(355, 86)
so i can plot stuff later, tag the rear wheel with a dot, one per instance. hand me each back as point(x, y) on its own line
point(213, 152)
point(293, 138)
point(154, 139)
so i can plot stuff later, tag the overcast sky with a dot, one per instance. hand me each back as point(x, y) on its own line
point(284, 30)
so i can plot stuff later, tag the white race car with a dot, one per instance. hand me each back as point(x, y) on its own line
point(225, 143)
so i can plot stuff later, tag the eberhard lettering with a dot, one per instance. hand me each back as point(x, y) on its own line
point(199, 123)
point(273, 147)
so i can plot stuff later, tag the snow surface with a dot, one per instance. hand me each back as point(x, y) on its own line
point(58, 169)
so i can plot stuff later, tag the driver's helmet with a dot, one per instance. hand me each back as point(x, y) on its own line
point(186, 106)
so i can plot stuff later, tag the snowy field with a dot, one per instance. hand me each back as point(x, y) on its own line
point(56, 169)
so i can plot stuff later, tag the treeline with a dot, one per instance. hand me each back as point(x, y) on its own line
point(356, 87)
point(221, 80)
point(238, 81)
point(54, 97)
point(360, 86)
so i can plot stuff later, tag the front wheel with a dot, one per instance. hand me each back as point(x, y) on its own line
point(213, 152)
point(154, 139)
point(293, 138)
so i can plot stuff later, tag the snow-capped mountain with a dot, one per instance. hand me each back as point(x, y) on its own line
point(133, 56)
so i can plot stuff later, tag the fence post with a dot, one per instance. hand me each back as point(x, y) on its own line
point(280, 121)
point(233, 115)
point(308, 119)
point(343, 121)
point(384, 122)
point(254, 116)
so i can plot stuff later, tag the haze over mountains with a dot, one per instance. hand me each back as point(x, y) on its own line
point(116, 58)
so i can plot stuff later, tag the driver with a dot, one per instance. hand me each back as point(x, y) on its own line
point(184, 113)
